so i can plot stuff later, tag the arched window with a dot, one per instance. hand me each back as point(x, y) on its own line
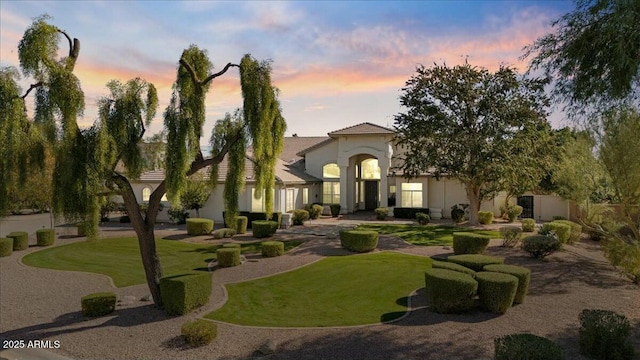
point(331, 171)
point(370, 169)
point(146, 193)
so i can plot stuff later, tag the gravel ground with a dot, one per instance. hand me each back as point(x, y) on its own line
point(40, 304)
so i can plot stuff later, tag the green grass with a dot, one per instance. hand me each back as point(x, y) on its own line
point(119, 258)
point(429, 235)
point(336, 291)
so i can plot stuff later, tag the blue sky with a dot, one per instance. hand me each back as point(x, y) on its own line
point(336, 63)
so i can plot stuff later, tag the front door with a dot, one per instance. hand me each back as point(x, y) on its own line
point(527, 206)
point(370, 195)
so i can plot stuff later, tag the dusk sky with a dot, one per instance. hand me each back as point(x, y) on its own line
point(336, 63)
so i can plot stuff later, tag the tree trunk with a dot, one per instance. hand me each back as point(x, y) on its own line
point(473, 195)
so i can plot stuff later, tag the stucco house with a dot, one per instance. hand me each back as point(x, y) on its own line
point(356, 168)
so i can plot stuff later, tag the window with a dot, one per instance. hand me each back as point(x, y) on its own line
point(411, 195)
point(391, 201)
point(331, 192)
point(370, 169)
point(305, 196)
point(331, 171)
point(258, 205)
point(146, 194)
point(290, 202)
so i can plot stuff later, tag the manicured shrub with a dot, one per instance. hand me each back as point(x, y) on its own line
point(526, 347)
point(540, 246)
point(528, 225)
point(576, 230)
point(469, 243)
point(408, 213)
point(558, 217)
point(449, 291)
point(423, 219)
point(485, 217)
point(185, 292)
point(6, 247)
point(512, 212)
point(475, 262)
point(510, 235)
point(199, 226)
point(45, 237)
point(522, 273)
point(561, 230)
point(263, 228)
point(452, 266)
point(82, 228)
point(300, 216)
point(98, 304)
point(223, 233)
point(20, 240)
point(359, 240)
point(604, 335)
point(199, 332)
point(232, 245)
point(228, 256)
point(272, 248)
point(335, 210)
point(381, 213)
point(241, 224)
point(496, 291)
point(314, 211)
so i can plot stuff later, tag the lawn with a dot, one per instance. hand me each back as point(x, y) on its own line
point(119, 258)
point(426, 235)
point(336, 291)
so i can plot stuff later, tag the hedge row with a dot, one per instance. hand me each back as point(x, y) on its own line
point(408, 213)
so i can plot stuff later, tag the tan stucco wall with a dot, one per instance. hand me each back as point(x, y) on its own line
point(317, 158)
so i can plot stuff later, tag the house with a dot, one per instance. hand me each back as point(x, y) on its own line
point(356, 168)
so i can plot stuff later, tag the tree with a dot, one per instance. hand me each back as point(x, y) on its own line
point(464, 122)
point(87, 160)
point(195, 194)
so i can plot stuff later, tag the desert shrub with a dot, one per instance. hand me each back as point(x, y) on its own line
point(199, 226)
point(263, 228)
point(98, 304)
point(381, 213)
point(299, 216)
point(510, 235)
point(449, 291)
point(359, 240)
point(20, 240)
point(6, 247)
point(408, 213)
point(315, 210)
point(485, 217)
point(335, 210)
point(452, 266)
point(178, 215)
point(575, 230)
point(624, 256)
point(496, 291)
point(469, 243)
point(45, 237)
point(272, 248)
point(604, 335)
point(474, 262)
point(558, 217)
point(522, 273)
point(241, 224)
point(528, 225)
point(540, 246)
point(228, 256)
point(526, 347)
point(423, 219)
point(185, 292)
point(232, 245)
point(561, 230)
point(512, 212)
point(458, 212)
point(199, 332)
point(223, 233)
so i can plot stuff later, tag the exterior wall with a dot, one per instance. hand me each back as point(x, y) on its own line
point(545, 207)
point(316, 159)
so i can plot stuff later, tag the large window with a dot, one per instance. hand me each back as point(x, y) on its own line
point(258, 205)
point(305, 196)
point(290, 203)
point(146, 194)
point(331, 171)
point(411, 195)
point(370, 169)
point(331, 192)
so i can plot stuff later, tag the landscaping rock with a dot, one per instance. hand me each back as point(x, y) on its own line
point(268, 348)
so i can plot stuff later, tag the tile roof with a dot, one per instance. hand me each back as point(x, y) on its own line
point(365, 128)
point(293, 145)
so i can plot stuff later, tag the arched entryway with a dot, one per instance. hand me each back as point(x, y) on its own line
point(367, 182)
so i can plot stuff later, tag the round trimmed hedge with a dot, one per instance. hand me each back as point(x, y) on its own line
point(20, 240)
point(469, 243)
point(449, 291)
point(241, 224)
point(359, 240)
point(526, 347)
point(528, 225)
point(98, 304)
point(199, 226)
point(452, 266)
point(263, 228)
point(6, 247)
point(576, 230)
point(475, 262)
point(522, 273)
point(539, 246)
point(496, 290)
point(272, 248)
point(199, 332)
point(485, 217)
point(228, 256)
point(562, 230)
point(45, 237)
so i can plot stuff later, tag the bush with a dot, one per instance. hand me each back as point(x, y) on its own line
point(512, 212)
point(45, 237)
point(604, 335)
point(185, 292)
point(576, 230)
point(381, 213)
point(241, 224)
point(335, 210)
point(469, 243)
point(528, 225)
point(314, 210)
point(458, 213)
point(199, 226)
point(177, 215)
point(6, 247)
point(474, 262)
point(558, 217)
point(526, 347)
point(485, 217)
point(124, 219)
point(199, 332)
point(510, 235)
point(408, 213)
point(98, 304)
point(272, 248)
point(359, 240)
point(299, 217)
point(625, 256)
point(82, 228)
point(561, 230)
point(453, 267)
point(423, 219)
point(496, 291)
point(20, 240)
point(540, 246)
point(449, 291)
point(263, 228)
point(228, 256)
point(223, 233)
point(522, 273)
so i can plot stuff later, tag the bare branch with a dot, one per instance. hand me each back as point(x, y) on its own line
point(192, 72)
point(219, 73)
point(33, 86)
point(69, 40)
